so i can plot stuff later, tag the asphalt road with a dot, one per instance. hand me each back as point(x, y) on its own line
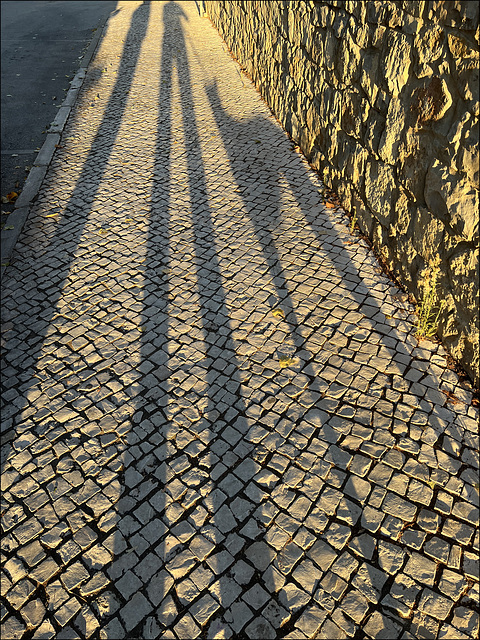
point(42, 44)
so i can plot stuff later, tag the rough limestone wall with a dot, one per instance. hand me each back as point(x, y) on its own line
point(382, 98)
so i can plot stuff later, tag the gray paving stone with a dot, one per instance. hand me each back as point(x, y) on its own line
point(288, 557)
point(447, 632)
point(428, 520)
point(369, 581)
point(333, 585)
point(413, 538)
point(390, 557)
point(371, 519)
point(322, 554)
point(86, 622)
point(67, 611)
point(275, 614)
point(471, 565)
point(260, 628)
point(181, 564)
point(307, 575)
point(225, 590)
point(151, 629)
point(13, 628)
point(128, 584)
point(381, 626)
point(135, 610)
point(356, 605)
point(425, 625)
point(259, 555)
point(220, 561)
point(44, 571)
point(344, 623)
point(357, 488)
point(273, 579)
point(364, 545)
point(398, 507)
point(112, 629)
point(337, 535)
point(292, 598)
point(437, 549)
point(330, 631)
point(159, 586)
point(45, 631)
point(203, 609)
point(68, 633)
point(187, 591)
point(452, 584)
point(167, 611)
point(466, 511)
point(421, 569)
point(465, 620)
point(310, 621)
point(33, 613)
point(15, 569)
point(392, 527)
point(455, 557)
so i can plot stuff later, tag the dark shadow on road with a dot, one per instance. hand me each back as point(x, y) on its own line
point(193, 362)
point(21, 370)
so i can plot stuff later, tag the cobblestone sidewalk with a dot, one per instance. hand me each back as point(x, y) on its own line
point(217, 420)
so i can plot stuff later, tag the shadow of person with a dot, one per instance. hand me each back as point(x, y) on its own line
point(52, 285)
point(193, 394)
point(283, 204)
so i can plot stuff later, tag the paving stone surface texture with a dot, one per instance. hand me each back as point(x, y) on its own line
point(218, 421)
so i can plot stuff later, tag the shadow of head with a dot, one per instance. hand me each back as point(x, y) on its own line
point(173, 11)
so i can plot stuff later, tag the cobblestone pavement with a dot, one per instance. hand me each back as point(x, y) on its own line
point(218, 422)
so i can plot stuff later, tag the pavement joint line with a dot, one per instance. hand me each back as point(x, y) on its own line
point(33, 183)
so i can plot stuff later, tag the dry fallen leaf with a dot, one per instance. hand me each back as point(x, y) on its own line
point(452, 398)
point(8, 227)
point(278, 313)
point(329, 205)
point(286, 361)
point(10, 197)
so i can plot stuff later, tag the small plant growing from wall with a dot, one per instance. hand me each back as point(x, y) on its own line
point(354, 219)
point(428, 308)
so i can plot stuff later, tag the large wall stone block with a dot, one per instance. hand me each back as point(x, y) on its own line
point(383, 99)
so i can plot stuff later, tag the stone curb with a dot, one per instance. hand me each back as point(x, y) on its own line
point(34, 180)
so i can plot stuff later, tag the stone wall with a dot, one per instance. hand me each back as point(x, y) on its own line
point(382, 98)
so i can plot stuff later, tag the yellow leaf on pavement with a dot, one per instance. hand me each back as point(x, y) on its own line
point(286, 361)
point(10, 197)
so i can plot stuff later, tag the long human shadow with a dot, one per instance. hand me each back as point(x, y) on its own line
point(181, 245)
point(72, 223)
point(267, 219)
point(171, 233)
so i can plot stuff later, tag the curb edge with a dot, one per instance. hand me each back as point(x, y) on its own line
point(37, 173)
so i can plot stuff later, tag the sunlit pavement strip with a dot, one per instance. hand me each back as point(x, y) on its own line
point(218, 420)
